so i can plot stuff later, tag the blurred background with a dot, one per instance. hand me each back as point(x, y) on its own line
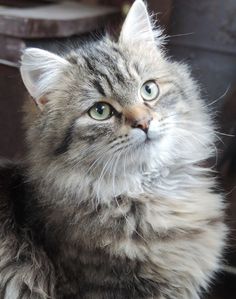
point(201, 33)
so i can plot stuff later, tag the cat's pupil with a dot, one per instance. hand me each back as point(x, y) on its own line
point(148, 89)
point(100, 109)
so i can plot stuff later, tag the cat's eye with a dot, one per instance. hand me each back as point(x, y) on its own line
point(149, 91)
point(101, 111)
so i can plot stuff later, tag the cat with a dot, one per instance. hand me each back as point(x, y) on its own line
point(113, 199)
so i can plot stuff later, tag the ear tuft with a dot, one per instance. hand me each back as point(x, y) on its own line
point(138, 26)
point(40, 72)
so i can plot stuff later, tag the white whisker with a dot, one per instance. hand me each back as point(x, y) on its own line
point(219, 98)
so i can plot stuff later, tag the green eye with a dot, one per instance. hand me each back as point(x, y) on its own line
point(149, 91)
point(101, 111)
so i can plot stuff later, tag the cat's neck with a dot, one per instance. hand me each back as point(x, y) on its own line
point(63, 187)
point(75, 190)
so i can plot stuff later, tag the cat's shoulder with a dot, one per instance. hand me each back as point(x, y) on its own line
point(12, 188)
point(11, 177)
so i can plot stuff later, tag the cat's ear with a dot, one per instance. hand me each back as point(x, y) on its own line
point(40, 71)
point(138, 26)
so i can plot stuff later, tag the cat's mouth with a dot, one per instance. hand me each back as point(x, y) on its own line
point(148, 140)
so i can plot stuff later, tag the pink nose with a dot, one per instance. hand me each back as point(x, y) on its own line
point(138, 116)
point(142, 124)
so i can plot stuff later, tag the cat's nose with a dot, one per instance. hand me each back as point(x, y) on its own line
point(142, 124)
point(138, 116)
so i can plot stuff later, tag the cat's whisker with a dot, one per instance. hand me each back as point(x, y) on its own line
point(124, 166)
point(181, 34)
point(99, 149)
point(200, 125)
point(219, 139)
point(102, 174)
point(219, 98)
point(201, 142)
point(96, 162)
point(204, 127)
point(114, 172)
point(224, 134)
point(194, 136)
point(186, 122)
point(111, 161)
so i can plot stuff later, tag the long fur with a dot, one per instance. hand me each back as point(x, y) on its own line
point(97, 211)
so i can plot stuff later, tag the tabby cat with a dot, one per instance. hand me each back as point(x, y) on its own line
point(113, 200)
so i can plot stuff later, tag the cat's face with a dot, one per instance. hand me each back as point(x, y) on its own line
point(114, 105)
point(109, 105)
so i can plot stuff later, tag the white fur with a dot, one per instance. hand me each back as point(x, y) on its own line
point(138, 26)
point(40, 71)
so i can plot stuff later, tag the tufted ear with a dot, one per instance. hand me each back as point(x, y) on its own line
point(138, 26)
point(40, 71)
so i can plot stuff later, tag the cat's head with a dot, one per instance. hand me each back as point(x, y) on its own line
point(114, 106)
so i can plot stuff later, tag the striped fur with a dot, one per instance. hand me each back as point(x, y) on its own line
point(106, 209)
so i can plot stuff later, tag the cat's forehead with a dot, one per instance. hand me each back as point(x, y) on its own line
point(106, 60)
point(111, 70)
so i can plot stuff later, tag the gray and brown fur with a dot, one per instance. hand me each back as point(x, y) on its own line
point(96, 212)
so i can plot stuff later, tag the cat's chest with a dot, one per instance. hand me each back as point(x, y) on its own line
point(124, 249)
point(96, 274)
point(129, 228)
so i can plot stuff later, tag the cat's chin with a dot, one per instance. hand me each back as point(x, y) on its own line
point(142, 138)
point(149, 142)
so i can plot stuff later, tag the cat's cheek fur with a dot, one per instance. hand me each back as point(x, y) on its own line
point(137, 136)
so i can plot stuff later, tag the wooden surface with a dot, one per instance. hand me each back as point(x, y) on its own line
point(54, 20)
point(10, 50)
point(22, 3)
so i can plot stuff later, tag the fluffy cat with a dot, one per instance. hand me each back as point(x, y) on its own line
point(113, 200)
